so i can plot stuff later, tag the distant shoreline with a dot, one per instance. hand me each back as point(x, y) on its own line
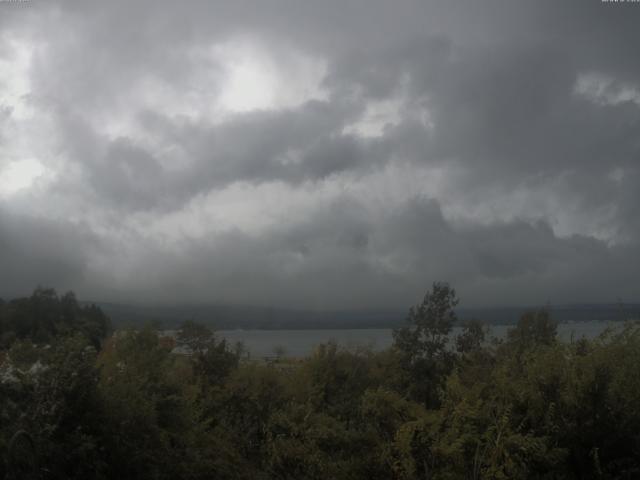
point(301, 342)
point(258, 318)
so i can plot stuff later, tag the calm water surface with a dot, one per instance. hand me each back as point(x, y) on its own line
point(297, 343)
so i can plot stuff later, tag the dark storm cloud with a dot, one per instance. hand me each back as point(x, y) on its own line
point(344, 253)
point(528, 111)
point(37, 251)
point(291, 145)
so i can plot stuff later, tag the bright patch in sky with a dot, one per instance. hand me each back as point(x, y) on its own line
point(605, 90)
point(377, 117)
point(257, 81)
point(20, 175)
point(250, 86)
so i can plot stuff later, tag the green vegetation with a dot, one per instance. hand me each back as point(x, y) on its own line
point(129, 405)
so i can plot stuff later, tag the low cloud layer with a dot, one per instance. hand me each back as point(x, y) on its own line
point(321, 155)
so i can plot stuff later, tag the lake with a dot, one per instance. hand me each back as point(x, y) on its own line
point(298, 343)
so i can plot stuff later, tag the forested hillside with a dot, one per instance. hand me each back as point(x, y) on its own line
point(78, 401)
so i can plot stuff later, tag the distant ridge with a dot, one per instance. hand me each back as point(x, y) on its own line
point(227, 317)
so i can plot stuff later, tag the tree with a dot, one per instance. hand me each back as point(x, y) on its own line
point(212, 360)
point(422, 344)
point(50, 392)
point(45, 316)
point(534, 328)
point(151, 417)
point(195, 337)
point(472, 337)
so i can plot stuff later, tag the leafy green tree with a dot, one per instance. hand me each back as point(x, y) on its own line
point(51, 393)
point(422, 344)
point(335, 379)
point(240, 410)
point(472, 337)
point(385, 413)
point(45, 316)
point(304, 444)
point(151, 411)
point(212, 359)
point(533, 329)
point(195, 337)
point(530, 407)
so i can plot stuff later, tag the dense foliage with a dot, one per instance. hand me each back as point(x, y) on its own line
point(432, 406)
point(44, 316)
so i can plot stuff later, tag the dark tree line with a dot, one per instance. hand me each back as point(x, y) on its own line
point(127, 405)
point(45, 316)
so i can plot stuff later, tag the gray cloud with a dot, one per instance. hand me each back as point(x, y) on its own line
point(36, 251)
point(345, 254)
point(324, 154)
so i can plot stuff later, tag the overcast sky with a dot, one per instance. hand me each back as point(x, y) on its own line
point(321, 154)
